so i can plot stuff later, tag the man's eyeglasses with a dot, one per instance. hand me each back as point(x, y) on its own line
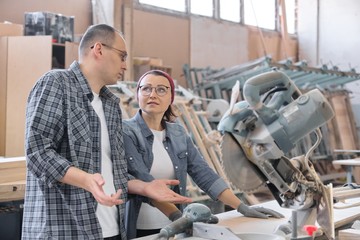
point(123, 54)
point(160, 90)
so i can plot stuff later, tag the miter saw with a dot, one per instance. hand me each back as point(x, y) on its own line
point(258, 133)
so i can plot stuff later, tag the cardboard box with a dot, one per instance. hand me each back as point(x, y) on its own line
point(10, 29)
point(139, 70)
point(147, 61)
point(60, 27)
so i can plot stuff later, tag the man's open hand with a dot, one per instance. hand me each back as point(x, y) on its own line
point(96, 183)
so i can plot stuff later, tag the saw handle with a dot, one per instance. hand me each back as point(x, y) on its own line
point(258, 85)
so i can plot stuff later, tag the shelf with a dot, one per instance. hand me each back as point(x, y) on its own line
point(63, 54)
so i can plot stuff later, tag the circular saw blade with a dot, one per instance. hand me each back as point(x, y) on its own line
point(239, 170)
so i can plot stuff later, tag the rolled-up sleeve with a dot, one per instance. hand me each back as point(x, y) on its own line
point(44, 131)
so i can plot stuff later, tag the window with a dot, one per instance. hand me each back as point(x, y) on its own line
point(260, 13)
point(177, 5)
point(290, 16)
point(202, 7)
point(230, 10)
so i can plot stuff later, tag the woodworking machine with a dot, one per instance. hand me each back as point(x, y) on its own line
point(257, 134)
point(260, 131)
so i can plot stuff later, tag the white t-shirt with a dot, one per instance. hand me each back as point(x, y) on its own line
point(108, 216)
point(162, 168)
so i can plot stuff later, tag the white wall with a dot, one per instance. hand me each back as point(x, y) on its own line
point(329, 33)
point(307, 31)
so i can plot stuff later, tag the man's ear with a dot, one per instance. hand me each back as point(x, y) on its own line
point(98, 49)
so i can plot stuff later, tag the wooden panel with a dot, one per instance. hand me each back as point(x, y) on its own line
point(238, 223)
point(3, 77)
point(12, 171)
point(28, 58)
point(349, 234)
point(12, 179)
point(342, 118)
point(12, 191)
point(71, 53)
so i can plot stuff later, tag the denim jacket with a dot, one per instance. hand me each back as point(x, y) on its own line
point(186, 158)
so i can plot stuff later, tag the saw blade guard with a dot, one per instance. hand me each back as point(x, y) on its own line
point(274, 117)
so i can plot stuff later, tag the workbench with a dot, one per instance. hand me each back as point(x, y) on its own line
point(240, 224)
point(12, 178)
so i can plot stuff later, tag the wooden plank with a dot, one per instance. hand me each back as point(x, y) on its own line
point(3, 92)
point(349, 234)
point(209, 149)
point(12, 178)
point(12, 174)
point(12, 169)
point(12, 191)
point(237, 223)
point(71, 53)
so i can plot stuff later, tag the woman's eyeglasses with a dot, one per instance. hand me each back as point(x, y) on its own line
point(160, 90)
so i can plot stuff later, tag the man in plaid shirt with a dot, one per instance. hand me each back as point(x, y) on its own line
point(77, 179)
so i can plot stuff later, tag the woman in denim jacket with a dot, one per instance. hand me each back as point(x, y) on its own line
point(156, 148)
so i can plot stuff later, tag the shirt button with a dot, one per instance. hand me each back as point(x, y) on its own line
point(180, 188)
point(166, 148)
point(186, 153)
point(176, 167)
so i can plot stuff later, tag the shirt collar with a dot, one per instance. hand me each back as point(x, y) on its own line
point(104, 91)
point(146, 130)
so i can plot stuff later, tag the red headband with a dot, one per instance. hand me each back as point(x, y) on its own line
point(158, 73)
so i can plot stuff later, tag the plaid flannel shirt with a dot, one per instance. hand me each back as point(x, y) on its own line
point(63, 130)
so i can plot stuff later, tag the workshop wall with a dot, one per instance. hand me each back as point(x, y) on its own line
point(217, 44)
point(162, 36)
point(202, 42)
point(198, 41)
point(225, 44)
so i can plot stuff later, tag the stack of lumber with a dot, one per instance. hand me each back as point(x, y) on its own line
point(207, 141)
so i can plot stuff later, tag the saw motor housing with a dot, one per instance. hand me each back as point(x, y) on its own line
point(268, 124)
